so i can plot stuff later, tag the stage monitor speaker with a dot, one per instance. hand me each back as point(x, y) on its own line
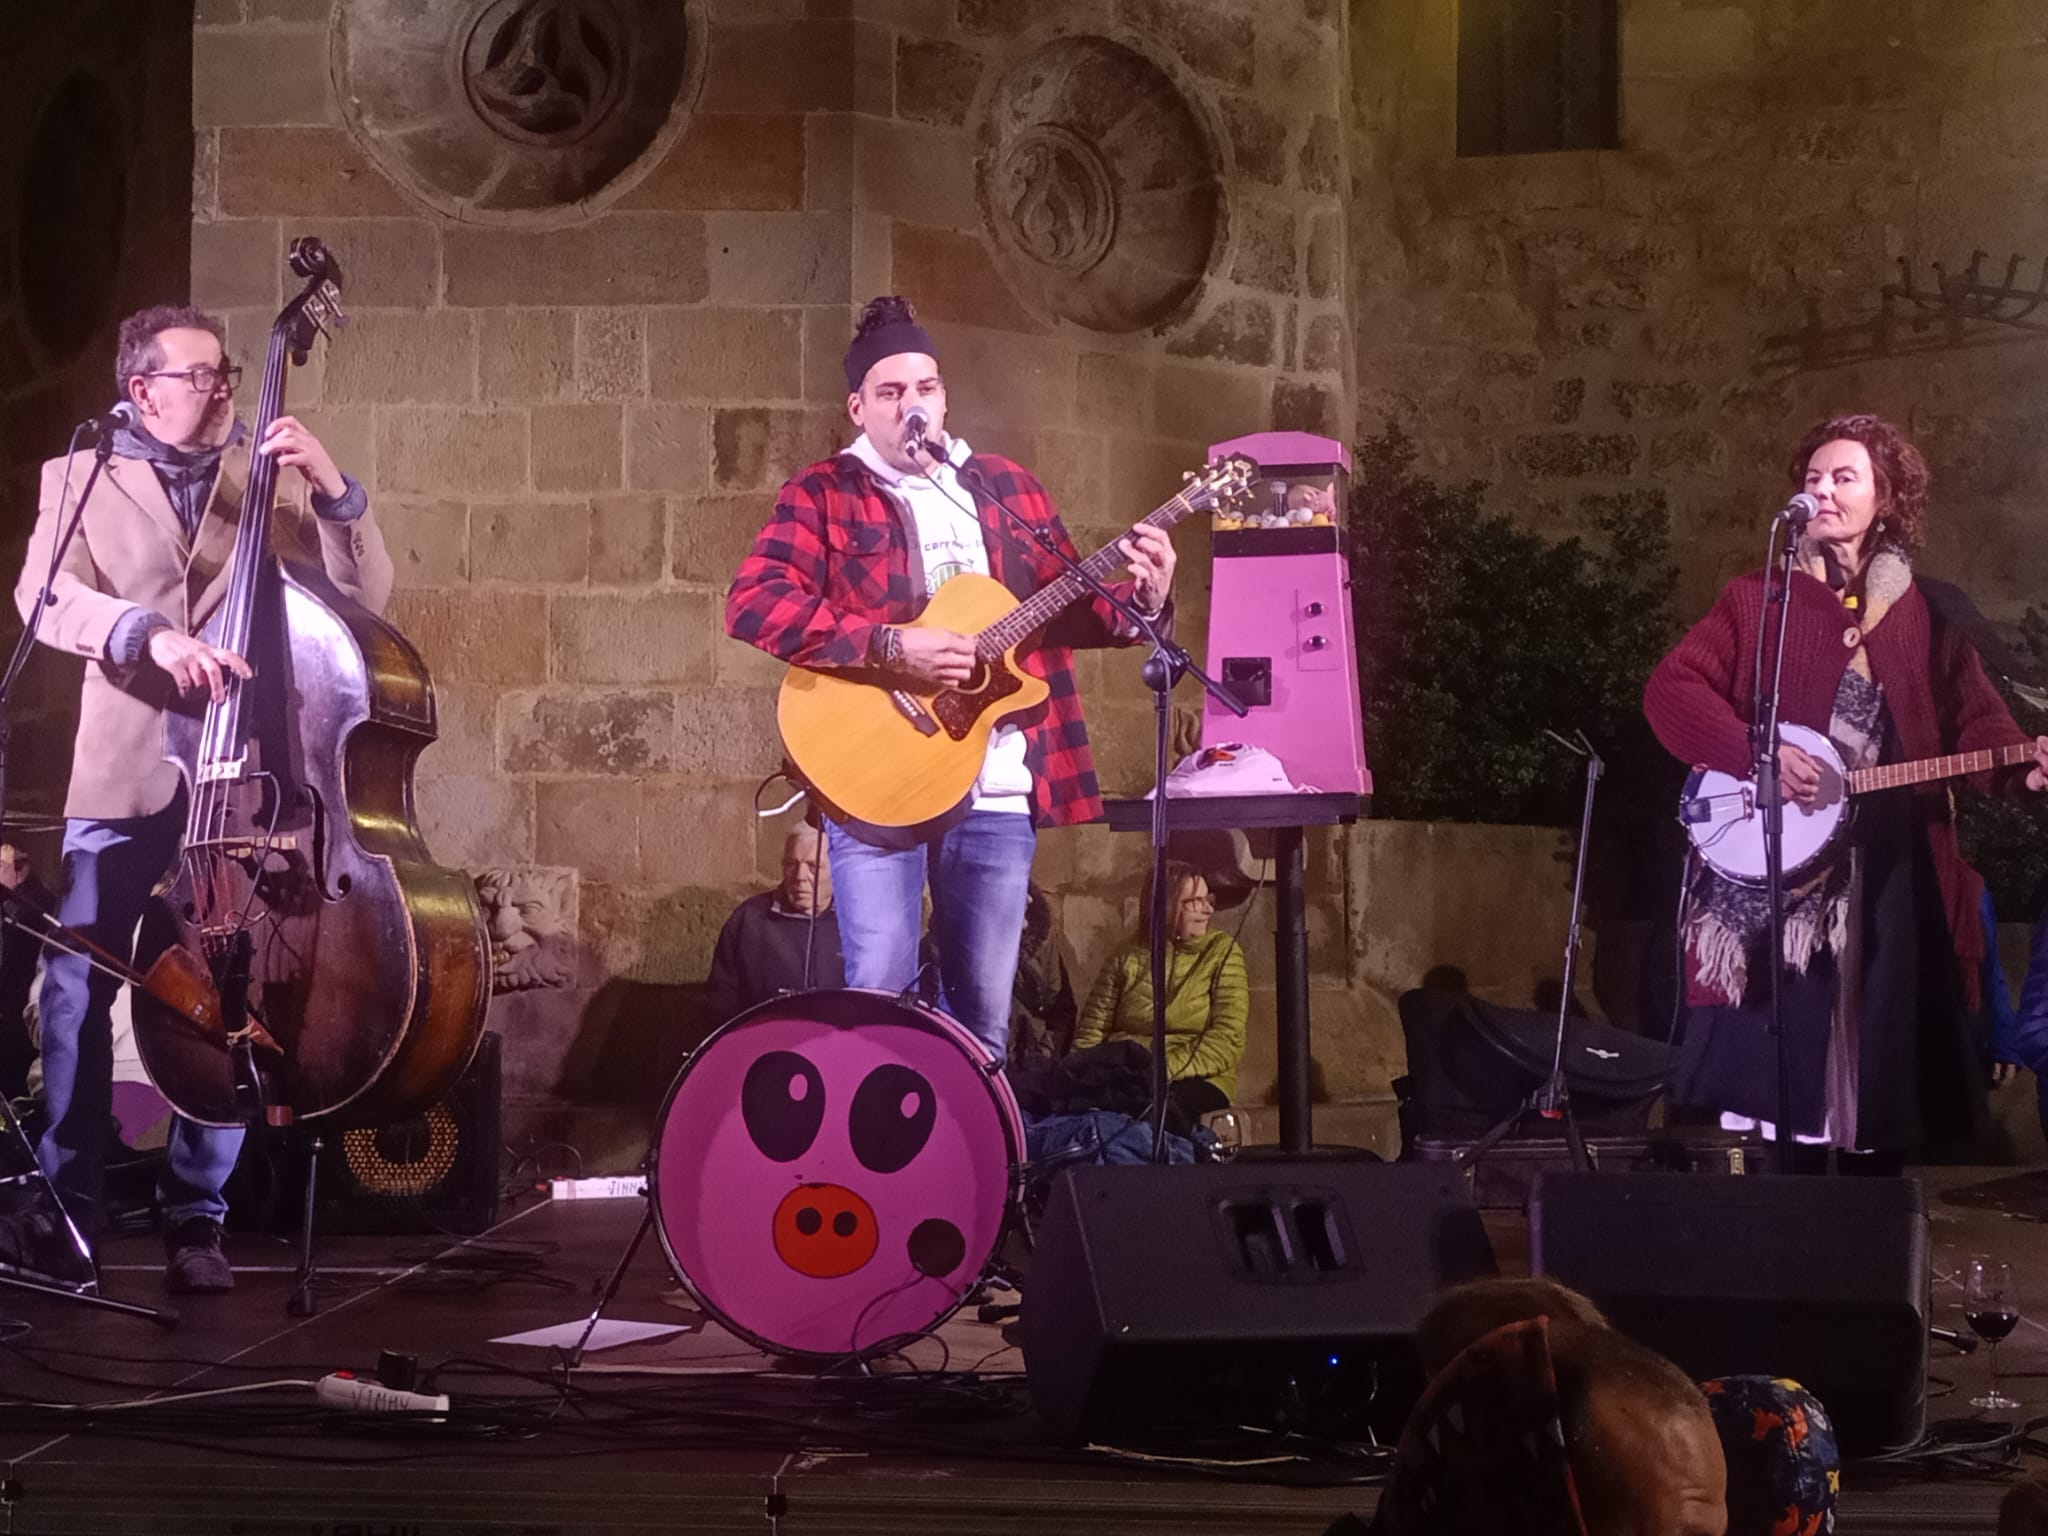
point(434, 1172)
point(1822, 1280)
point(1164, 1300)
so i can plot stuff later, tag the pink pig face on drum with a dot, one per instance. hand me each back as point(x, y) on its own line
point(833, 1171)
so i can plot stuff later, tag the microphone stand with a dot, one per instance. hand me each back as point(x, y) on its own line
point(12, 903)
point(1162, 669)
point(1764, 741)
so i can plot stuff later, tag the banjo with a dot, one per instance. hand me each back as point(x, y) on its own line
point(1720, 814)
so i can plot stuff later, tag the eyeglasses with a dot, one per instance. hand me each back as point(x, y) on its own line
point(204, 379)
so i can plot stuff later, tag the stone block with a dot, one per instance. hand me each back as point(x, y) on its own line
point(476, 636)
point(729, 160)
point(621, 258)
point(742, 666)
point(726, 733)
point(1297, 63)
point(476, 823)
point(301, 172)
point(710, 535)
point(628, 540)
point(955, 277)
point(1219, 46)
point(466, 732)
point(1143, 473)
point(1689, 449)
point(1242, 330)
point(668, 447)
point(303, 11)
point(1258, 137)
point(725, 354)
point(577, 448)
point(1636, 399)
point(1114, 387)
point(526, 354)
point(349, 434)
point(428, 540)
point(1567, 399)
point(935, 80)
point(205, 174)
point(590, 824)
point(657, 937)
point(1692, 41)
point(447, 450)
point(389, 263)
point(1326, 346)
point(1575, 455)
point(1268, 246)
point(590, 734)
point(238, 262)
point(530, 543)
point(828, 329)
point(1325, 254)
point(913, 172)
point(1207, 404)
point(702, 836)
point(1299, 406)
point(1000, 376)
point(779, 258)
point(756, 448)
point(272, 76)
point(634, 641)
point(831, 149)
point(785, 66)
point(392, 355)
point(1321, 163)
point(611, 354)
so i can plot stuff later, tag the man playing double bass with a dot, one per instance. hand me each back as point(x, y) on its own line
point(148, 567)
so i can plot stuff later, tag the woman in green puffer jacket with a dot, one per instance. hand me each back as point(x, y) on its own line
point(1207, 996)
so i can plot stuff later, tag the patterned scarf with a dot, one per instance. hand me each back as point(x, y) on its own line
point(1727, 923)
point(187, 475)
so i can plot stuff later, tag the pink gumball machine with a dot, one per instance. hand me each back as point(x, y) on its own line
point(1280, 634)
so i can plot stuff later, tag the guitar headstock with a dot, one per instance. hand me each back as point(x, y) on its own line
point(1223, 485)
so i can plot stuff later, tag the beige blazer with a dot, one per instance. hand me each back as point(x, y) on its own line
point(130, 552)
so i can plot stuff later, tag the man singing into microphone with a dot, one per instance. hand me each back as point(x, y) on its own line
point(853, 551)
point(148, 567)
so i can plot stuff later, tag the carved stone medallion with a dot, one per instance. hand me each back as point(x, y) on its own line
point(510, 109)
point(1101, 184)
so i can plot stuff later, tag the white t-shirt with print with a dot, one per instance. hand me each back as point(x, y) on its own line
point(951, 541)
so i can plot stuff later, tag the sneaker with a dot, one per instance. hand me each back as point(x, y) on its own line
point(193, 1261)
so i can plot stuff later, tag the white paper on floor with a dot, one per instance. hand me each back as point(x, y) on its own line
point(608, 1334)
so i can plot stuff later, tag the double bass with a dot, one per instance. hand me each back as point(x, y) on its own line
point(322, 966)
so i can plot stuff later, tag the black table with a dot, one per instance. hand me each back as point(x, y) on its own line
point(1287, 817)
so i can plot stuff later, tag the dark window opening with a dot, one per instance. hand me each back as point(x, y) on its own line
point(1536, 76)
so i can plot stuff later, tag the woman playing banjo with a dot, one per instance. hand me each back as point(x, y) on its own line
point(1882, 935)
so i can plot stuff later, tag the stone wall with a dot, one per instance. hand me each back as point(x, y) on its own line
point(1122, 221)
point(1675, 313)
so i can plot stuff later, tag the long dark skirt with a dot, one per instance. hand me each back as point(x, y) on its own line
point(1920, 1076)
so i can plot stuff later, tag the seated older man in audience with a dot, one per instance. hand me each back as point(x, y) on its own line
point(784, 940)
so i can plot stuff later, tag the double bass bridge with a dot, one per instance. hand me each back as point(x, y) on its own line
point(224, 770)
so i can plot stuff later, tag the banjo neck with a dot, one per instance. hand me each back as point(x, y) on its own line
point(1899, 775)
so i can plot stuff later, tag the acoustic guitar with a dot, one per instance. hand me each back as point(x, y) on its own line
point(1721, 815)
point(892, 757)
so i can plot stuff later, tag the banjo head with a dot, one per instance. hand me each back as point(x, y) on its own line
point(1726, 826)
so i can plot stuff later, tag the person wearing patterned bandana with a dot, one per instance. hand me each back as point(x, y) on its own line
point(854, 549)
point(1882, 945)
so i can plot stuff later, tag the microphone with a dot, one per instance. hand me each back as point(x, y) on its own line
point(917, 421)
point(125, 413)
point(1800, 510)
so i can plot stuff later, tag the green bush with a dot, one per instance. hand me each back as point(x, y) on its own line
point(1475, 635)
point(2006, 841)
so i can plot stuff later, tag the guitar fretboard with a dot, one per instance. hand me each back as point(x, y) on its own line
point(1920, 771)
point(1038, 610)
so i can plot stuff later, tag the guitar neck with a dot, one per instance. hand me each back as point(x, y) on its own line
point(1038, 610)
point(1923, 770)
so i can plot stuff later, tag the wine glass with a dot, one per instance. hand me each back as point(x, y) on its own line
point(1993, 1310)
point(1227, 1126)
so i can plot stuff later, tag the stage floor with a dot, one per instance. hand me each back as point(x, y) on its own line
point(697, 1432)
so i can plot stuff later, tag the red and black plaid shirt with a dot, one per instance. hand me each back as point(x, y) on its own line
point(836, 562)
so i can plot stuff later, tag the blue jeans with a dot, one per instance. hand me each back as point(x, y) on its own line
point(110, 868)
point(980, 871)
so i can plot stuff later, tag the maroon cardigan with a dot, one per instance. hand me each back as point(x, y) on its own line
point(1935, 688)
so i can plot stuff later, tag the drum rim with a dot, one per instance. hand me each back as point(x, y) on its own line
point(988, 1070)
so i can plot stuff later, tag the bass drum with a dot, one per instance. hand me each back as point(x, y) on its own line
point(832, 1171)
